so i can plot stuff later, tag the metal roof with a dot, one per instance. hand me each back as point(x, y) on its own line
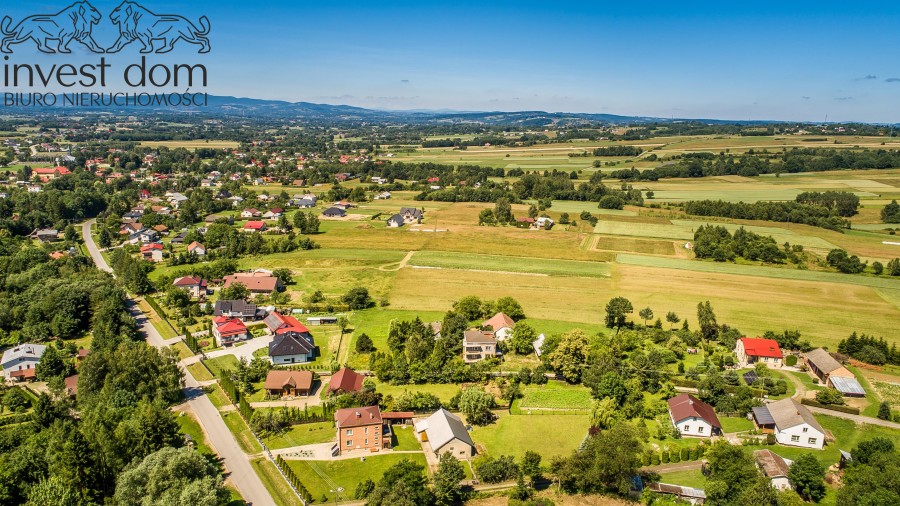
point(762, 415)
point(846, 385)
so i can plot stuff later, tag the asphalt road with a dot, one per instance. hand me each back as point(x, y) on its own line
point(219, 437)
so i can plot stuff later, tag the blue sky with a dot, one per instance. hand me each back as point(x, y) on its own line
point(753, 60)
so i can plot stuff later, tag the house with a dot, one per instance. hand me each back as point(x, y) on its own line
point(292, 348)
point(194, 285)
point(146, 236)
point(395, 221)
point(544, 223)
point(235, 309)
point(255, 226)
point(19, 362)
point(179, 239)
point(304, 203)
point(321, 320)
point(152, 252)
point(693, 417)
point(176, 199)
point(257, 282)
point(791, 422)
point(361, 429)
point(774, 467)
point(228, 331)
point(831, 373)
point(48, 173)
point(383, 196)
point(346, 381)
point(45, 234)
point(501, 324)
point(161, 229)
point(250, 213)
point(197, 249)
point(71, 384)
point(273, 214)
point(412, 215)
point(278, 323)
point(334, 212)
point(758, 350)
point(525, 222)
point(289, 383)
point(446, 433)
point(478, 345)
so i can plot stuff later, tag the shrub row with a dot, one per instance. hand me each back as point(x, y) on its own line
point(294, 480)
point(833, 407)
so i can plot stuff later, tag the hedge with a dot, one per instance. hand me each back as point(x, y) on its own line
point(843, 409)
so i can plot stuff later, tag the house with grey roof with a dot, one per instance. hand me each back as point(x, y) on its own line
point(791, 423)
point(20, 361)
point(446, 433)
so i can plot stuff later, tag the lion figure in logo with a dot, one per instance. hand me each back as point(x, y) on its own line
point(137, 23)
point(75, 22)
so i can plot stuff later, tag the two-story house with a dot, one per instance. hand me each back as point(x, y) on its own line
point(478, 345)
point(361, 429)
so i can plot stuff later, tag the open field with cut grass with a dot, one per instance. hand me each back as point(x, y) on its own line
point(219, 365)
point(555, 395)
point(194, 144)
point(549, 435)
point(691, 478)
point(319, 477)
point(303, 434)
point(522, 265)
point(444, 392)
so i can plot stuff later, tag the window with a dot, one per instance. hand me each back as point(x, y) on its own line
point(366, 442)
point(349, 443)
point(687, 428)
point(795, 439)
point(366, 430)
point(700, 430)
point(805, 429)
point(812, 440)
point(349, 432)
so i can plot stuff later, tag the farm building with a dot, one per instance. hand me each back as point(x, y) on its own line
point(446, 433)
point(831, 373)
point(321, 320)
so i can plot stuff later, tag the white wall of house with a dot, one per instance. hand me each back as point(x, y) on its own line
point(803, 435)
point(19, 365)
point(291, 359)
point(459, 449)
point(503, 334)
point(781, 483)
point(693, 426)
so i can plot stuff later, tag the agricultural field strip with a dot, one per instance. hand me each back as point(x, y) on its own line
point(880, 283)
point(522, 265)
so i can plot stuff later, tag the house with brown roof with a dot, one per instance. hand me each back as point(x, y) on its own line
point(289, 383)
point(361, 429)
point(251, 213)
point(693, 417)
point(774, 467)
point(194, 285)
point(501, 324)
point(821, 364)
point(478, 345)
point(197, 249)
point(346, 381)
point(256, 282)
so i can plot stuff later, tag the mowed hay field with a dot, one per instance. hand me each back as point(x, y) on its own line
point(192, 144)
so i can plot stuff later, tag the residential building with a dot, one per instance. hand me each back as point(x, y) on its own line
point(501, 324)
point(19, 362)
point(236, 309)
point(292, 348)
point(395, 221)
point(45, 234)
point(228, 331)
point(273, 214)
point(152, 252)
point(256, 282)
point(278, 323)
point(346, 381)
point(197, 249)
point(412, 215)
point(791, 422)
point(255, 226)
point(445, 432)
point(194, 285)
point(478, 345)
point(693, 417)
point(289, 383)
point(334, 212)
point(774, 467)
point(361, 429)
point(538, 344)
point(751, 351)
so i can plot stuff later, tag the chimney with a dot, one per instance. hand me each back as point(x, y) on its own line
point(358, 415)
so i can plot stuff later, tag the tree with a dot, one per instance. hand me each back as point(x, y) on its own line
point(709, 329)
point(605, 414)
point(364, 344)
point(616, 309)
point(486, 217)
point(829, 396)
point(884, 411)
point(300, 221)
point(570, 355)
point(877, 268)
point(171, 476)
point(476, 405)
point(357, 298)
point(503, 210)
point(522, 492)
point(343, 323)
point(730, 470)
point(564, 219)
point(530, 465)
point(523, 336)
point(53, 363)
point(605, 463)
point(510, 307)
point(284, 275)
point(53, 491)
point(808, 477)
point(646, 314)
point(532, 211)
point(234, 291)
point(672, 318)
point(470, 307)
point(403, 484)
point(447, 490)
point(891, 212)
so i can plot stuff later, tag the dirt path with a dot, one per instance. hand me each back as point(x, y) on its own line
point(399, 265)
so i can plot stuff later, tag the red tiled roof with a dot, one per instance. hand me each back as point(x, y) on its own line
point(686, 405)
point(189, 281)
point(346, 380)
point(23, 373)
point(150, 247)
point(397, 415)
point(253, 283)
point(357, 417)
point(230, 327)
point(194, 245)
point(759, 347)
point(498, 321)
point(293, 325)
point(255, 225)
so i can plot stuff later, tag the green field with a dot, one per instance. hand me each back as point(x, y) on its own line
point(189, 426)
point(320, 477)
point(549, 435)
point(241, 432)
point(555, 395)
point(524, 265)
point(199, 372)
point(219, 365)
point(443, 391)
point(691, 478)
point(303, 434)
point(275, 483)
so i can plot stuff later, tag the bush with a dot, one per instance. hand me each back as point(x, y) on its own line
point(829, 396)
point(491, 470)
point(790, 360)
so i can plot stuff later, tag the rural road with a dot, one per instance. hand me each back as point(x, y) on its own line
point(856, 418)
point(220, 438)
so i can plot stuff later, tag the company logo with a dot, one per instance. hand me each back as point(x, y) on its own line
point(157, 33)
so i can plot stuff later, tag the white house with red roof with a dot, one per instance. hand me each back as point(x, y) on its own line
point(501, 324)
point(228, 331)
point(194, 285)
point(197, 249)
point(753, 350)
point(255, 226)
point(693, 417)
point(152, 252)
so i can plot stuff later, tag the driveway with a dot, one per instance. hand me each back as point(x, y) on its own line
point(245, 350)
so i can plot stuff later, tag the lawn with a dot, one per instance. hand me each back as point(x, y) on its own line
point(241, 432)
point(275, 483)
point(182, 349)
point(199, 372)
point(546, 267)
point(735, 424)
point(320, 477)
point(556, 395)
point(219, 365)
point(443, 391)
point(806, 379)
point(217, 396)
point(189, 426)
point(165, 330)
point(691, 478)
point(376, 323)
point(405, 439)
point(549, 435)
point(303, 434)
